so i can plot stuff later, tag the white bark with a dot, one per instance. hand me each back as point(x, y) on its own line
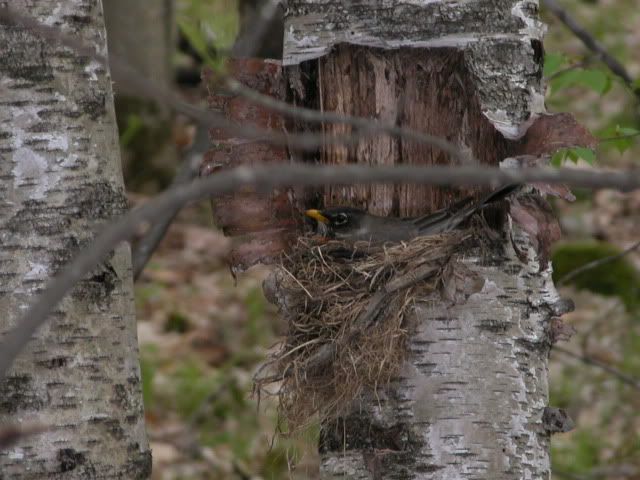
point(61, 179)
point(470, 400)
point(501, 40)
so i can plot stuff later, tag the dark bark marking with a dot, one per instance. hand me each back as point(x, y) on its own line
point(79, 19)
point(357, 432)
point(69, 459)
point(101, 200)
point(94, 105)
point(99, 287)
point(556, 420)
point(14, 398)
point(140, 465)
point(113, 426)
point(54, 362)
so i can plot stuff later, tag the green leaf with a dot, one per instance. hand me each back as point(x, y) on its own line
point(626, 131)
point(586, 154)
point(573, 155)
point(197, 40)
point(619, 137)
point(564, 80)
point(553, 62)
point(621, 144)
point(559, 158)
point(597, 80)
point(209, 26)
point(133, 127)
point(556, 159)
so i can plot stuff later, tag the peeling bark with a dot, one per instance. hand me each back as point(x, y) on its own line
point(470, 400)
point(265, 223)
point(425, 90)
point(61, 179)
point(501, 41)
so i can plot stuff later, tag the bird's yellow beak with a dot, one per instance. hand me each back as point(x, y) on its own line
point(315, 214)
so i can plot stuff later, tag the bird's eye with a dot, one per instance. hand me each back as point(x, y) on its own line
point(341, 219)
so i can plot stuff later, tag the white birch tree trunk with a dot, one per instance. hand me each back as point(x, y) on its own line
point(61, 179)
point(471, 396)
point(470, 399)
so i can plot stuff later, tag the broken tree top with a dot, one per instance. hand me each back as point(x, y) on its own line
point(501, 41)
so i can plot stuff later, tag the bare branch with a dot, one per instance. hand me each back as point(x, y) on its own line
point(591, 43)
point(151, 90)
point(269, 177)
point(188, 171)
point(145, 88)
point(371, 126)
point(619, 137)
point(562, 71)
point(11, 434)
point(249, 42)
point(596, 263)
point(623, 377)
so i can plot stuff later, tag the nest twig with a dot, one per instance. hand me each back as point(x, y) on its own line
point(346, 307)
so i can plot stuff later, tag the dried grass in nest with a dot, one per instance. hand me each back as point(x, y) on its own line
point(346, 306)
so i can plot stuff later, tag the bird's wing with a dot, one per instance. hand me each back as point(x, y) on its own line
point(449, 218)
point(498, 194)
point(430, 218)
point(440, 217)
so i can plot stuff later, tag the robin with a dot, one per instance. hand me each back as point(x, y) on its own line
point(352, 224)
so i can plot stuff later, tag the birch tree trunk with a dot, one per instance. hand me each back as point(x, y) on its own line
point(61, 179)
point(470, 399)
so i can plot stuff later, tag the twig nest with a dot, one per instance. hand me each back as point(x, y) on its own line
point(346, 307)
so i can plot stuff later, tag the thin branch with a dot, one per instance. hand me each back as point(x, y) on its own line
point(188, 171)
point(591, 43)
point(623, 377)
point(144, 88)
point(596, 263)
point(620, 137)
point(562, 71)
point(369, 125)
point(269, 177)
point(12, 434)
point(251, 39)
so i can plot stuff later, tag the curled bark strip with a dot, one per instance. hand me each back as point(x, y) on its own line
point(265, 221)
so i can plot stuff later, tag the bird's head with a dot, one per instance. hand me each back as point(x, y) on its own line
point(341, 222)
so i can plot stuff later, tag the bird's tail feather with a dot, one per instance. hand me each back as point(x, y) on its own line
point(498, 194)
point(448, 219)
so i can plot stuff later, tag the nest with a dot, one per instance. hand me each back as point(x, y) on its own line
point(346, 306)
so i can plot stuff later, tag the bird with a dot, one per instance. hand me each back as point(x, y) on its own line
point(354, 224)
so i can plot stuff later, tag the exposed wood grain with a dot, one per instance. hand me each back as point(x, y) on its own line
point(427, 90)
